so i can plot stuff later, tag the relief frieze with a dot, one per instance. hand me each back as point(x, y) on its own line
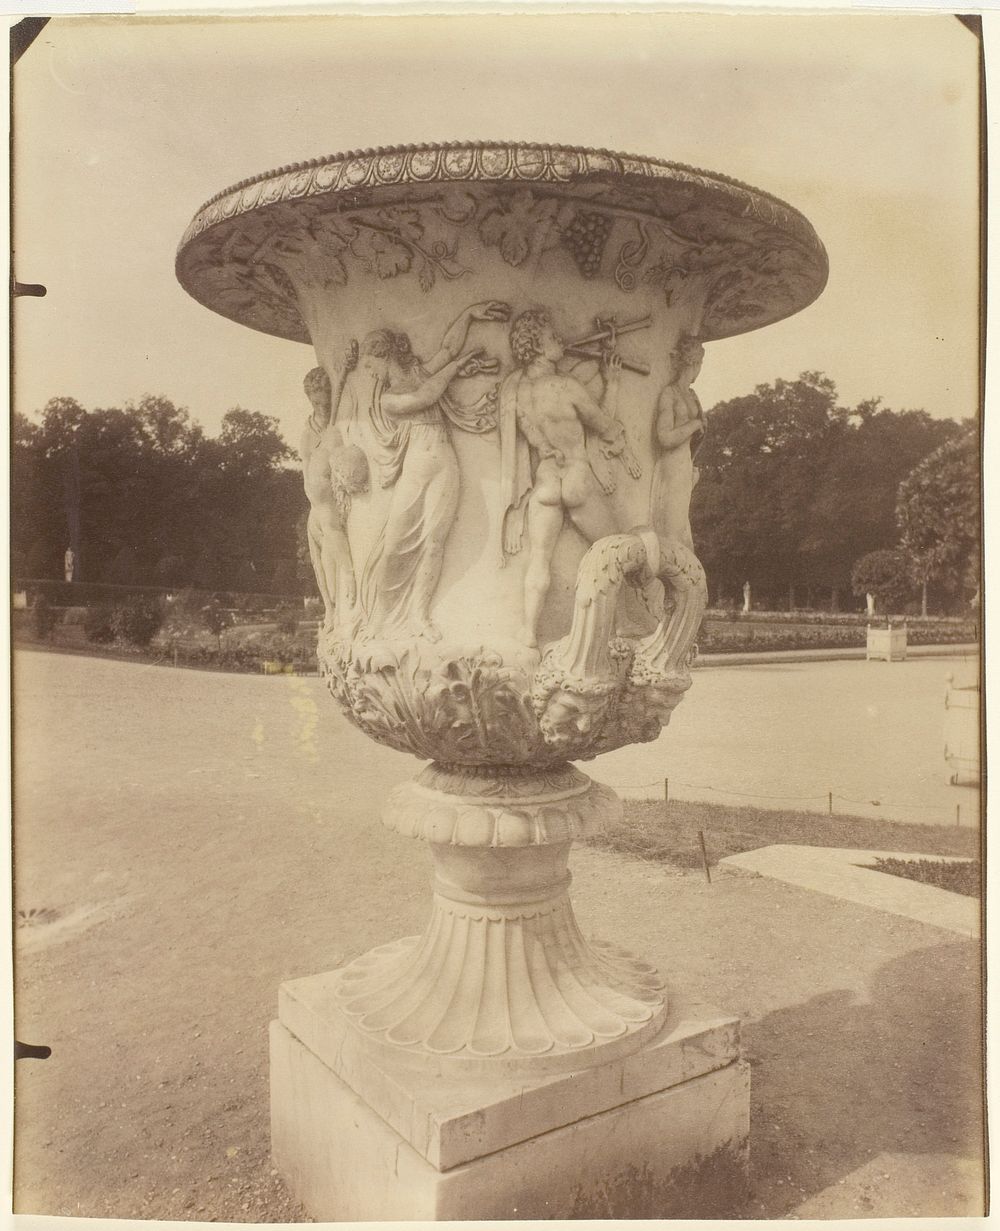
point(643, 222)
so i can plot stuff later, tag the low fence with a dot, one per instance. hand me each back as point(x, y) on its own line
point(960, 816)
point(99, 593)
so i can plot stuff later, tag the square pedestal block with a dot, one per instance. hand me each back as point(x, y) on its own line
point(661, 1133)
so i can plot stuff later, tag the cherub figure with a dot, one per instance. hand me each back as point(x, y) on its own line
point(680, 425)
point(332, 472)
point(555, 416)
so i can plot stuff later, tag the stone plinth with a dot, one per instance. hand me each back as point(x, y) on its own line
point(661, 1132)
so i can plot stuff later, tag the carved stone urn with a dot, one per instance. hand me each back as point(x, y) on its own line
point(499, 458)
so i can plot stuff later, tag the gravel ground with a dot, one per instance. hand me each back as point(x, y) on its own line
point(185, 841)
point(870, 732)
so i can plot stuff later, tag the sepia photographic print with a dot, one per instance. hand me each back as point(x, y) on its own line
point(496, 616)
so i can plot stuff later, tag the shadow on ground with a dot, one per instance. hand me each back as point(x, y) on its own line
point(844, 1081)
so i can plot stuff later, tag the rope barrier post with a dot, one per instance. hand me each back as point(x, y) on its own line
point(704, 856)
point(666, 790)
point(958, 814)
point(829, 800)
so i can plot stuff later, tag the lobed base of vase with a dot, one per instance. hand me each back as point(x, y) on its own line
point(497, 991)
point(502, 980)
point(660, 1133)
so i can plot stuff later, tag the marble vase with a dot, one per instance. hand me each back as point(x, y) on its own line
point(499, 457)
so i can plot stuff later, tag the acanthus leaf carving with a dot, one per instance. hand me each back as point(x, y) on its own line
point(466, 706)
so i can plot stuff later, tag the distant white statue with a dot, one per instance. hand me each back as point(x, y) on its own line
point(69, 563)
point(746, 596)
point(870, 604)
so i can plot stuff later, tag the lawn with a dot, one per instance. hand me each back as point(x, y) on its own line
point(964, 877)
point(669, 833)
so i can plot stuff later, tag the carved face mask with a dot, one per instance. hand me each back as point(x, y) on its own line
point(569, 714)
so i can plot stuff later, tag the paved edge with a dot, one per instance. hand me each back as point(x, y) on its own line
point(741, 659)
point(841, 873)
point(856, 653)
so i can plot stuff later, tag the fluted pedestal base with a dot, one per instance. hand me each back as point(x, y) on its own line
point(500, 1065)
point(497, 983)
point(660, 1133)
point(502, 980)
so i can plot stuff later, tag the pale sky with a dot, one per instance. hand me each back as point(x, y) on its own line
point(868, 124)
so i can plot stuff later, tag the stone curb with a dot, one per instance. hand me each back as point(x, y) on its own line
point(847, 874)
point(748, 658)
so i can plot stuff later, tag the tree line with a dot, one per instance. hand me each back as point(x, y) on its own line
point(797, 492)
point(811, 502)
point(145, 497)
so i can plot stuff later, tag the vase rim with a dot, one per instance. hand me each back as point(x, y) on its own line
point(643, 164)
point(640, 185)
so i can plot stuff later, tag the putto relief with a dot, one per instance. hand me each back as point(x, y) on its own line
point(332, 472)
point(557, 451)
point(556, 440)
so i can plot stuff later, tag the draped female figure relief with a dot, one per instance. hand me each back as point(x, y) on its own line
point(410, 414)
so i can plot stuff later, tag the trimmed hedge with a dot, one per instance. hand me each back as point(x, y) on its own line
point(137, 623)
point(182, 641)
point(965, 877)
point(85, 593)
point(722, 637)
point(735, 616)
point(735, 631)
point(97, 625)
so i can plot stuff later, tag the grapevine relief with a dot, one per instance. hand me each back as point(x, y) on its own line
point(751, 260)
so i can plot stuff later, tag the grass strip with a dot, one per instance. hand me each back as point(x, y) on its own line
point(965, 877)
point(668, 833)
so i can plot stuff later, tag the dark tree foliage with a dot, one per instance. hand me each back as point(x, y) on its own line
point(853, 510)
point(887, 576)
point(794, 488)
point(763, 458)
point(146, 498)
point(939, 516)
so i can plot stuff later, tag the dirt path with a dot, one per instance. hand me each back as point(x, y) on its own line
point(187, 841)
point(867, 731)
